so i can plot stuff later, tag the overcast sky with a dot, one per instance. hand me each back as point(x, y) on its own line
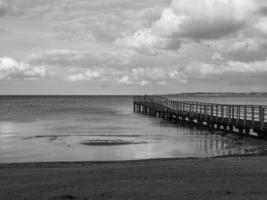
point(132, 46)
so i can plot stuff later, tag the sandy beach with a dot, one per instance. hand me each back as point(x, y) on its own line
point(208, 178)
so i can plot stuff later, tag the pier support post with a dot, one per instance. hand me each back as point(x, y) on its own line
point(231, 118)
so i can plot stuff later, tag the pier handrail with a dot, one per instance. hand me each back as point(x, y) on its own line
point(237, 112)
point(162, 98)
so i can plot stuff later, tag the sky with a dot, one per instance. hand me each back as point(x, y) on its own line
point(132, 47)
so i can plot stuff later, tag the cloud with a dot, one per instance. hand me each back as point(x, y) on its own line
point(143, 76)
point(107, 41)
point(229, 76)
point(245, 45)
point(82, 58)
point(203, 19)
point(11, 69)
point(213, 71)
point(85, 20)
point(261, 25)
point(217, 56)
point(146, 40)
point(198, 20)
point(137, 76)
point(89, 75)
point(120, 66)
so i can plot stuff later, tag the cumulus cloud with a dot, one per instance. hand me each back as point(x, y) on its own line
point(11, 69)
point(202, 19)
point(88, 75)
point(261, 25)
point(116, 66)
point(245, 45)
point(217, 56)
point(107, 41)
point(146, 40)
point(136, 76)
point(142, 39)
point(82, 58)
point(208, 70)
point(156, 75)
point(86, 20)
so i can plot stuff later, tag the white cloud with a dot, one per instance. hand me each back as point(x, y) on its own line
point(136, 76)
point(146, 40)
point(153, 74)
point(262, 25)
point(11, 69)
point(85, 20)
point(245, 45)
point(205, 70)
point(83, 58)
point(214, 10)
point(142, 39)
point(107, 41)
point(252, 67)
point(160, 76)
point(76, 77)
point(205, 19)
point(89, 75)
point(202, 19)
point(125, 80)
point(217, 56)
point(173, 74)
point(169, 23)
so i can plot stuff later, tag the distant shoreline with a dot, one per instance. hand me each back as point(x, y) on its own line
point(130, 95)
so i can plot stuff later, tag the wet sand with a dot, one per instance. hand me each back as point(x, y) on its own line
point(209, 178)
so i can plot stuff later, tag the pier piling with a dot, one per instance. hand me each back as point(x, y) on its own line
point(239, 119)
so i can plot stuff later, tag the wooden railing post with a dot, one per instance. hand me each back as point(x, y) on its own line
point(261, 117)
point(211, 110)
point(233, 114)
point(237, 115)
point(217, 114)
point(205, 111)
point(229, 115)
point(253, 116)
point(245, 115)
point(222, 112)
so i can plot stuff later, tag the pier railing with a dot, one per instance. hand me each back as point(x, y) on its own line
point(240, 116)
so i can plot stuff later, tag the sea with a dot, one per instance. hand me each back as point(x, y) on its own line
point(105, 128)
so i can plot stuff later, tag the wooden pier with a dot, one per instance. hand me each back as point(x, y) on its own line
point(241, 119)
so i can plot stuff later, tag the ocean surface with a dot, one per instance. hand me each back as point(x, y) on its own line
point(94, 128)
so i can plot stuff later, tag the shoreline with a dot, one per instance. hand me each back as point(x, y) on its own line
point(228, 177)
point(93, 162)
point(53, 163)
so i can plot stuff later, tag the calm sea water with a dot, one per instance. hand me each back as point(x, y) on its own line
point(86, 128)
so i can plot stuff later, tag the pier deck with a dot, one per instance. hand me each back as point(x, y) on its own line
point(241, 119)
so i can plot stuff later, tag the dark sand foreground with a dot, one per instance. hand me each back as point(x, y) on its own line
point(213, 178)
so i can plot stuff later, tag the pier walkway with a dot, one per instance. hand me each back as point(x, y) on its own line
point(241, 119)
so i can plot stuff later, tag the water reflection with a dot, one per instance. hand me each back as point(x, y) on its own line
point(54, 132)
point(210, 143)
point(7, 135)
